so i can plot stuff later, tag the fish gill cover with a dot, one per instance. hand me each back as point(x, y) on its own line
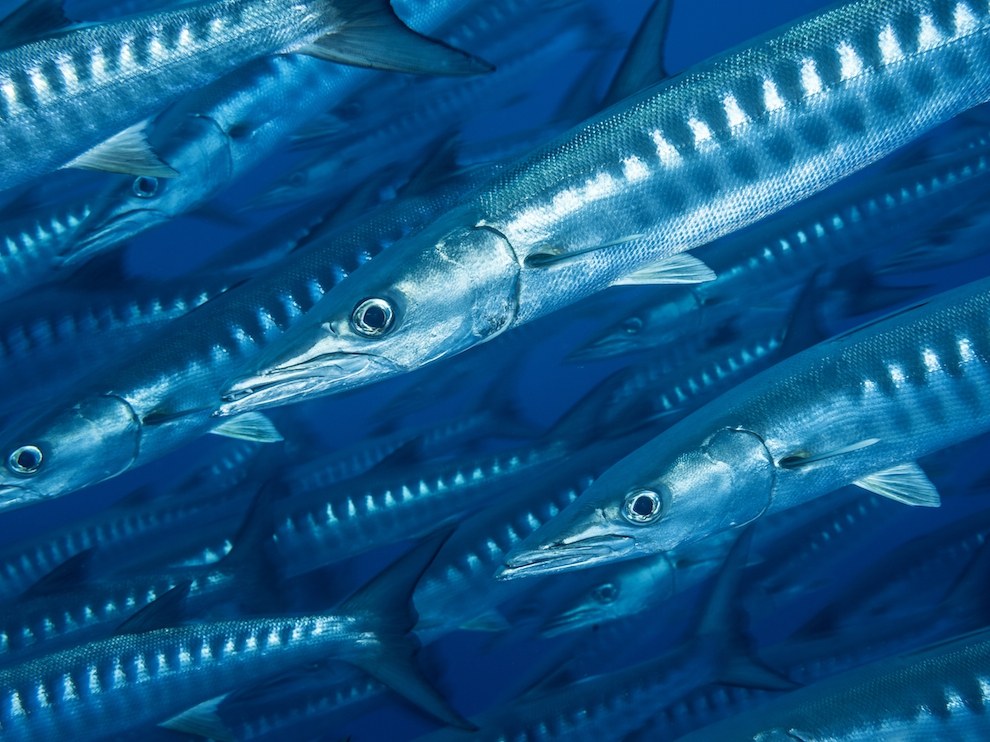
point(503, 370)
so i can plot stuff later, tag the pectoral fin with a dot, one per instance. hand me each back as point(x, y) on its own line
point(905, 483)
point(127, 152)
point(681, 268)
point(201, 720)
point(249, 426)
point(802, 459)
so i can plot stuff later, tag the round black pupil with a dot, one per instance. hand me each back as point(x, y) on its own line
point(27, 459)
point(146, 186)
point(374, 317)
point(643, 506)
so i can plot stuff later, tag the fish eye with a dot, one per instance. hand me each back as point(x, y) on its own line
point(606, 593)
point(25, 460)
point(297, 179)
point(632, 326)
point(145, 186)
point(642, 506)
point(372, 317)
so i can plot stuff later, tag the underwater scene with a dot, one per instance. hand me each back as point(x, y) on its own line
point(505, 370)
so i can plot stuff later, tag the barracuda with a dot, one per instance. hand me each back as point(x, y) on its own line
point(79, 88)
point(50, 339)
point(883, 395)
point(938, 693)
point(622, 196)
point(162, 392)
point(827, 232)
point(327, 526)
point(216, 135)
point(106, 687)
point(214, 493)
point(30, 246)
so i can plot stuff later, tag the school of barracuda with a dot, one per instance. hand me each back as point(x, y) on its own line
point(667, 366)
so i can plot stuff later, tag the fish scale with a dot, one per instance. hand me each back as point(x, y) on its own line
point(685, 164)
point(828, 231)
point(323, 527)
point(55, 90)
point(710, 151)
point(886, 394)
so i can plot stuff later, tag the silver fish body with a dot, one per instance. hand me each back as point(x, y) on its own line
point(162, 393)
point(939, 693)
point(823, 233)
point(884, 395)
point(66, 93)
point(711, 151)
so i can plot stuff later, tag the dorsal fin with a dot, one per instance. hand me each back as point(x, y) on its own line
point(126, 152)
point(643, 65)
point(165, 611)
point(68, 575)
point(31, 20)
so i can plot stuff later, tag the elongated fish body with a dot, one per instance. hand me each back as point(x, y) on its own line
point(308, 707)
point(154, 523)
point(162, 392)
point(711, 151)
point(50, 339)
point(216, 135)
point(601, 707)
point(31, 247)
point(884, 395)
point(825, 232)
point(103, 687)
point(65, 93)
point(52, 623)
point(327, 526)
point(409, 126)
point(939, 693)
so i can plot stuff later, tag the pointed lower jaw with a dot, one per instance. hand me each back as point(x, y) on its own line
point(328, 374)
point(564, 557)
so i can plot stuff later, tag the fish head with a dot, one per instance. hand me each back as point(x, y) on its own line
point(200, 157)
point(413, 305)
point(622, 591)
point(662, 495)
point(63, 451)
point(644, 327)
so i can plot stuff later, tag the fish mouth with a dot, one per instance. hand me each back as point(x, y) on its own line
point(14, 496)
point(608, 347)
point(98, 234)
point(570, 620)
point(566, 555)
point(326, 373)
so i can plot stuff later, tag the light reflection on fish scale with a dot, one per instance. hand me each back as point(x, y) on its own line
point(328, 527)
point(21, 342)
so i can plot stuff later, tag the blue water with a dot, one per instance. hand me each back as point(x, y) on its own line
point(477, 669)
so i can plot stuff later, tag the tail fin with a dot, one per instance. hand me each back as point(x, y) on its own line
point(249, 559)
point(385, 608)
point(722, 625)
point(371, 35)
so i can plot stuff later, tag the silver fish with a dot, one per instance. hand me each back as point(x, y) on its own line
point(74, 97)
point(884, 395)
point(620, 198)
point(938, 693)
point(160, 672)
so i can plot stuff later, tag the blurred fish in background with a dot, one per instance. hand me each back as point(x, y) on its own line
point(505, 370)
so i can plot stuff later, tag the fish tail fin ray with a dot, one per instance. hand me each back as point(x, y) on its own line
point(386, 609)
point(722, 626)
point(373, 36)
